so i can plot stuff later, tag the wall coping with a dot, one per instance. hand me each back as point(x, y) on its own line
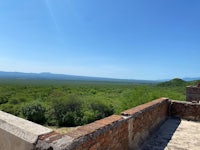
point(22, 128)
point(191, 86)
point(184, 102)
point(143, 107)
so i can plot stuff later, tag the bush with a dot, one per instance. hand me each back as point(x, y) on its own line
point(12, 109)
point(68, 111)
point(101, 109)
point(34, 112)
point(14, 101)
point(89, 116)
point(97, 110)
point(3, 100)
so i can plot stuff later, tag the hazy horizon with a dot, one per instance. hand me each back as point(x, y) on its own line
point(148, 40)
point(51, 73)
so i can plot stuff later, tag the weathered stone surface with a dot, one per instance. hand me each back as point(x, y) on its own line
point(18, 132)
point(102, 134)
point(175, 134)
point(54, 141)
point(8, 141)
point(185, 110)
point(192, 93)
point(144, 119)
point(141, 108)
point(22, 128)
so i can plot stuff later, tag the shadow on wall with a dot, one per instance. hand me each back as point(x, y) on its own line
point(161, 138)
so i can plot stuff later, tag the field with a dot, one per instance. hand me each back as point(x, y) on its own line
point(73, 103)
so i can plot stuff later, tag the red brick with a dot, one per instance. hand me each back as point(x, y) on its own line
point(139, 108)
point(109, 120)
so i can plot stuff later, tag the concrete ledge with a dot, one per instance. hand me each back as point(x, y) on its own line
point(20, 128)
point(53, 141)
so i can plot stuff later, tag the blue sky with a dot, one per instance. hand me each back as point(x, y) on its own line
point(135, 39)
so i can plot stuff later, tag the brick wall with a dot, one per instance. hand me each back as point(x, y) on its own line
point(144, 119)
point(108, 133)
point(192, 93)
point(126, 131)
point(185, 110)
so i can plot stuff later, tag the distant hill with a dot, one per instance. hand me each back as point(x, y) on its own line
point(51, 76)
point(173, 82)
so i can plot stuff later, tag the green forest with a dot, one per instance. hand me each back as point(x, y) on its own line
point(73, 103)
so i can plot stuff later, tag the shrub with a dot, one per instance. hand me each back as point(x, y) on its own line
point(14, 101)
point(34, 112)
point(101, 109)
point(97, 110)
point(12, 109)
point(3, 99)
point(68, 111)
point(89, 116)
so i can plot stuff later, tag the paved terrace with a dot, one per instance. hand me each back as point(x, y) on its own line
point(175, 134)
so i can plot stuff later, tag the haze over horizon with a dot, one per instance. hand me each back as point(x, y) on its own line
point(143, 39)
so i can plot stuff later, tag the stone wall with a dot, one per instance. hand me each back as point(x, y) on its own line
point(185, 110)
point(192, 93)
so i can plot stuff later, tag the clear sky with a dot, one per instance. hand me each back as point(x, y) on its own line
point(135, 39)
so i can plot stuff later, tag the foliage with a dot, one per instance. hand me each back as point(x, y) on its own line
point(34, 112)
point(174, 82)
point(3, 99)
point(72, 103)
point(67, 111)
point(96, 110)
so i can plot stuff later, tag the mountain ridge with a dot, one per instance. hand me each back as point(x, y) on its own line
point(55, 76)
point(48, 75)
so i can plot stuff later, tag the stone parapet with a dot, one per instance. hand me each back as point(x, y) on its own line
point(108, 133)
point(185, 110)
point(144, 120)
point(192, 93)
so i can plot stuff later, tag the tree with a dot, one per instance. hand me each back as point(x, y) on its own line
point(68, 111)
point(34, 112)
point(97, 110)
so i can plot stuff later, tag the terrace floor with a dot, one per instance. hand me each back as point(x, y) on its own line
point(175, 134)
